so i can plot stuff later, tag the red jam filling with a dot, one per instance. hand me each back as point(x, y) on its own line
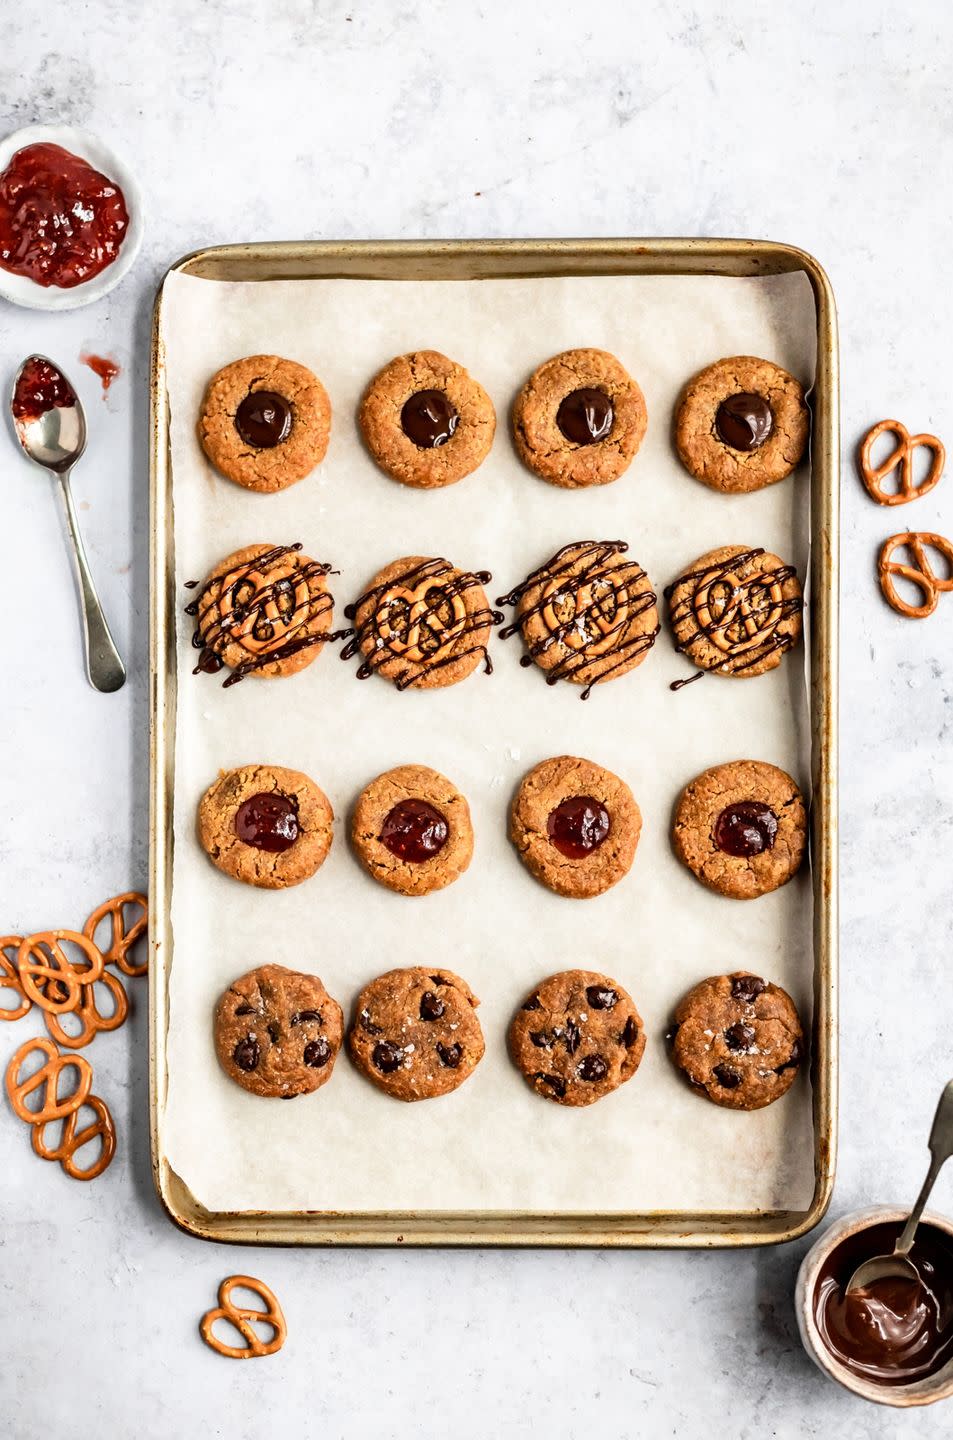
point(578, 826)
point(269, 821)
point(40, 387)
point(414, 830)
point(61, 221)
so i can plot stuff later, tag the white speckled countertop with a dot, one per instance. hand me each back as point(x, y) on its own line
point(826, 126)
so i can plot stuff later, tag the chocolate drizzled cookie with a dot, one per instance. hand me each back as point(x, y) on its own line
point(736, 611)
point(587, 615)
point(422, 622)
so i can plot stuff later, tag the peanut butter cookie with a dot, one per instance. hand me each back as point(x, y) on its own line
point(278, 1032)
point(579, 419)
point(736, 611)
point(426, 421)
point(577, 1037)
point(265, 422)
point(576, 826)
point(741, 424)
point(739, 1040)
point(411, 830)
point(415, 1033)
point(741, 828)
point(266, 825)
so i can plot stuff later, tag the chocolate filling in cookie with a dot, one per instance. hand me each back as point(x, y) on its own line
point(585, 416)
point(269, 821)
point(263, 419)
point(578, 825)
point(744, 421)
point(414, 830)
point(429, 419)
point(747, 828)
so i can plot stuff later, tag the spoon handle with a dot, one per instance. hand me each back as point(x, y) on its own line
point(104, 668)
point(941, 1148)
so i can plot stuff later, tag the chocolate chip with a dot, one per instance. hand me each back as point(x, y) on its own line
point(793, 1060)
point(368, 1026)
point(573, 1036)
point(386, 1057)
point(450, 1055)
point(747, 987)
point(727, 1078)
point(274, 1032)
point(630, 1034)
point(541, 1039)
point(431, 1006)
point(317, 1053)
point(600, 997)
point(740, 1036)
point(300, 1016)
point(247, 1054)
point(553, 1082)
point(593, 1068)
point(246, 1010)
point(439, 979)
point(533, 1003)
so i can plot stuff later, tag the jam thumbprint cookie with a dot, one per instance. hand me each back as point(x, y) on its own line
point(415, 1033)
point(739, 1040)
point(266, 825)
point(426, 422)
point(423, 623)
point(579, 419)
point(741, 424)
point(265, 422)
point(587, 615)
point(741, 828)
point(577, 1037)
point(265, 610)
point(736, 611)
point(411, 830)
point(576, 826)
point(278, 1032)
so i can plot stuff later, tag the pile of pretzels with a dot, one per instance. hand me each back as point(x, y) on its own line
point(918, 570)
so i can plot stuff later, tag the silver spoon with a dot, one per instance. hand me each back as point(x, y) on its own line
point(898, 1265)
point(55, 438)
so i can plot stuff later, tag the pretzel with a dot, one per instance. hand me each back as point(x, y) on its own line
point(242, 1320)
point(56, 986)
point(87, 1012)
point(121, 939)
point(921, 573)
point(48, 1075)
point(71, 1140)
point(907, 489)
point(10, 978)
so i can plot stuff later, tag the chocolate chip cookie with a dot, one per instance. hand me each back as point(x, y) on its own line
point(415, 1033)
point(265, 422)
point(423, 623)
point(265, 610)
point(411, 830)
point(266, 825)
point(587, 615)
point(741, 828)
point(739, 1040)
point(736, 611)
point(426, 421)
point(741, 424)
point(577, 1037)
point(278, 1032)
point(575, 825)
point(579, 419)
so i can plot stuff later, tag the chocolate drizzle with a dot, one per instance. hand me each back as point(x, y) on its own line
point(425, 609)
point(602, 571)
point(743, 615)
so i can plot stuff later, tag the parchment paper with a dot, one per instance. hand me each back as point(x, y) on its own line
point(493, 1145)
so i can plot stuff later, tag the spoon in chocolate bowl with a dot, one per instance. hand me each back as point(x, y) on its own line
point(898, 1266)
point(51, 426)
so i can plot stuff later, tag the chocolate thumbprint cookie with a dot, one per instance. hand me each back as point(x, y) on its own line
point(265, 422)
point(426, 422)
point(579, 419)
point(741, 424)
point(736, 611)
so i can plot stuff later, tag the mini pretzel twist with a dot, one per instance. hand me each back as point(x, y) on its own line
point(10, 978)
point(48, 976)
point(72, 1140)
point(920, 573)
point(907, 489)
point(421, 606)
point(87, 1012)
point(122, 937)
point(728, 615)
point(242, 1320)
point(597, 612)
point(47, 1076)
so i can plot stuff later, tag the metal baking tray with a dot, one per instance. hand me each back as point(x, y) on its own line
point(486, 259)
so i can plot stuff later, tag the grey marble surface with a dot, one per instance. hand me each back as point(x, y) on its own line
point(827, 126)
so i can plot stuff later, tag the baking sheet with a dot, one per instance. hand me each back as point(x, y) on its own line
point(493, 1145)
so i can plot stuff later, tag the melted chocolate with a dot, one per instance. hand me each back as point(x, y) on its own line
point(585, 416)
point(269, 821)
point(744, 421)
point(893, 1332)
point(578, 826)
point(263, 419)
point(755, 590)
point(603, 565)
point(746, 829)
point(414, 830)
point(429, 419)
point(680, 684)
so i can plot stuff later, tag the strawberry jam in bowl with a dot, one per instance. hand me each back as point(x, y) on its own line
point(70, 218)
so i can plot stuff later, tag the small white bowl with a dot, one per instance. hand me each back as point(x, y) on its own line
point(20, 289)
point(918, 1392)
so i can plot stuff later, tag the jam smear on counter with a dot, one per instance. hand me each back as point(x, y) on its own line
point(61, 221)
point(101, 365)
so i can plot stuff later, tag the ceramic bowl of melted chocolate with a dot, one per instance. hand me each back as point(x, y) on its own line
point(892, 1341)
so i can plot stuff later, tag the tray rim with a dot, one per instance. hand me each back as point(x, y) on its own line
point(495, 258)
